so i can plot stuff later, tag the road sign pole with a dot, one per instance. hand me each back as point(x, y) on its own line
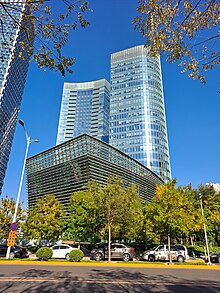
point(28, 142)
point(19, 191)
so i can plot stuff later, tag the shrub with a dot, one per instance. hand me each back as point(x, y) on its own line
point(76, 255)
point(32, 249)
point(44, 253)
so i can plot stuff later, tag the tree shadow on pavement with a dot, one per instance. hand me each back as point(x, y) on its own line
point(100, 280)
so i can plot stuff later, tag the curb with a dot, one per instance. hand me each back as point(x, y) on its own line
point(105, 264)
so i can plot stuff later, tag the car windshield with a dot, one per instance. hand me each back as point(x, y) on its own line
point(150, 249)
point(160, 247)
point(154, 248)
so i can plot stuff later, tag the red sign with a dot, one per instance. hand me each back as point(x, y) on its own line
point(13, 226)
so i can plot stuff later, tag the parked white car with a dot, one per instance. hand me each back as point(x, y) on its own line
point(178, 253)
point(62, 251)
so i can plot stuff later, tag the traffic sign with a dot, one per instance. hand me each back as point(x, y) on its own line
point(11, 238)
point(13, 226)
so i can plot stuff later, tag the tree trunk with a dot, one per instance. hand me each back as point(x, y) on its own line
point(170, 258)
point(109, 243)
point(205, 251)
point(191, 241)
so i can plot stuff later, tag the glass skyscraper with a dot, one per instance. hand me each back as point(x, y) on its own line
point(13, 71)
point(137, 112)
point(84, 109)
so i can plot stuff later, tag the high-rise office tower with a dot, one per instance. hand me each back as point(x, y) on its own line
point(137, 112)
point(13, 71)
point(84, 109)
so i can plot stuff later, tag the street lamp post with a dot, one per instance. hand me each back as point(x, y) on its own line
point(28, 142)
point(205, 232)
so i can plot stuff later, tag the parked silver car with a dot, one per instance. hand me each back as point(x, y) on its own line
point(118, 250)
point(178, 253)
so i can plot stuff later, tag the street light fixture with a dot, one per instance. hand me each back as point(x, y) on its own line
point(28, 142)
point(205, 232)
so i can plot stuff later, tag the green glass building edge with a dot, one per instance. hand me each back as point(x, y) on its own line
point(66, 168)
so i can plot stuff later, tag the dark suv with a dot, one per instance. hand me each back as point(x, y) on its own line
point(215, 257)
point(118, 250)
point(16, 251)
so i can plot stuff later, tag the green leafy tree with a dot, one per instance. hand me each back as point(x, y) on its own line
point(131, 224)
point(186, 30)
point(119, 209)
point(85, 214)
point(211, 204)
point(169, 212)
point(152, 229)
point(51, 24)
point(7, 209)
point(100, 211)
point(195, 223)
point(115, 202)
point(45, 220)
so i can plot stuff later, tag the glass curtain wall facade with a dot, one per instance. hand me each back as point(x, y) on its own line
point(137, 111)
point(67, 167)
point(84, 109)
point(13, 72)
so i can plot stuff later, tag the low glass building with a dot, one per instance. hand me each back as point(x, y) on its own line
point(67, 167)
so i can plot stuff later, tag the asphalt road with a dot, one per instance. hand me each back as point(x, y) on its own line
point(50, 278)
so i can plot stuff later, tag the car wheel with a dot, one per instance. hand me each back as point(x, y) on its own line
point(67, 257)
point(151, 258)
point(126, 257)
point(98, 256)
point(180, 258)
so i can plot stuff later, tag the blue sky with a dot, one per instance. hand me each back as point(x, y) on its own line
point(192, 109)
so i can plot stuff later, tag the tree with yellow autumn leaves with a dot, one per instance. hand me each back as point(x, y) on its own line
point(48, 24)
point(186, 30)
